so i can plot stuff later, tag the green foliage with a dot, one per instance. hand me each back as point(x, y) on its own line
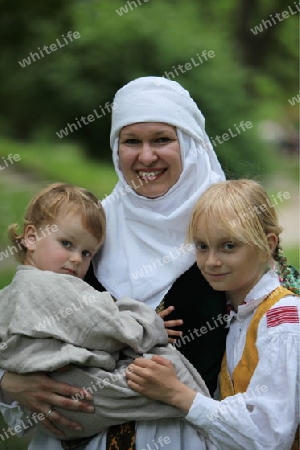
point(244, 81)
point(293, 256)
point(5, 279)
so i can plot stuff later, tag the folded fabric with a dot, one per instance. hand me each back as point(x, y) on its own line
point(50, 320)
point(114, 402)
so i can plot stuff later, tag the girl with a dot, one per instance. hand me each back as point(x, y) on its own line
point(236, 233)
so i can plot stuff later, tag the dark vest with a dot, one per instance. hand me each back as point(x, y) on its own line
point(202, 310)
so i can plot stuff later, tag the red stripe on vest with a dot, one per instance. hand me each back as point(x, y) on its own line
point(282, 314)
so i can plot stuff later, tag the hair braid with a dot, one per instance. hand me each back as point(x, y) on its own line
point(289, 276)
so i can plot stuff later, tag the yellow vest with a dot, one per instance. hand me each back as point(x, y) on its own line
point(244, 370)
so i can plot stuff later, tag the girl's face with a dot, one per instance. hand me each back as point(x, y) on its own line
point(227, 265)
point(150, 157)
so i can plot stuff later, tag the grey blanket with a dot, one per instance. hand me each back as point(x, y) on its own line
point(51, 320)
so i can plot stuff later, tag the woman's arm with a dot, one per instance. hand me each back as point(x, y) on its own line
point(38, 393)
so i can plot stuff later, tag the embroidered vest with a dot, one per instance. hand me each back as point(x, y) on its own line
point(244, 370)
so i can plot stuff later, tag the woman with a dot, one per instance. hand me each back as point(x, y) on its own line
point(160, 150)
point(164, 161)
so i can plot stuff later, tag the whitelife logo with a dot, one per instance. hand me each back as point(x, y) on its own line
point(279, 17)
point(9, 160)
point(294, 100)
point(53, 47)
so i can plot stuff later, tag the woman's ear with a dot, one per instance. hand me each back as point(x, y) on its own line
point(272, 239)
point(30, 239)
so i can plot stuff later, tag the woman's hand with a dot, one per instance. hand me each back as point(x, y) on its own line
point(156, 378)
point(39, 393)
point(171, 324)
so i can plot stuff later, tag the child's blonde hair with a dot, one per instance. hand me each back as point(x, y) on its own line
point(53, 200)
point(242, 209)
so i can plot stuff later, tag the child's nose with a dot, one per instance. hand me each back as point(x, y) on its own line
point(213, 259)
point(76, 257)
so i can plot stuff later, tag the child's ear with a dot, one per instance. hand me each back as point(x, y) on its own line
point(30, 239)
point(272, 239)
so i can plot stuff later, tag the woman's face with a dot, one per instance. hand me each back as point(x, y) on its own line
point(150, 157)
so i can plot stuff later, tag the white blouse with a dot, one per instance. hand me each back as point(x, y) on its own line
point(267, 414)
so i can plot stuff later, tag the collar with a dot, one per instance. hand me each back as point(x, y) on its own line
point(268, 282)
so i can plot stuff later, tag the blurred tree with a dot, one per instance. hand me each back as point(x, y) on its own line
point(25, 92)
point(151, 38)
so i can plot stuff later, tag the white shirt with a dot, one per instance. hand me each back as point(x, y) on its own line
point(267, 414)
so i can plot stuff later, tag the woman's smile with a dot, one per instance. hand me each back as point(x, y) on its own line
point(150, 174)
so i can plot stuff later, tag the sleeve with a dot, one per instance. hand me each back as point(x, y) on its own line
point(4, 399)
point(266, 416)
point(40, 337)
point(130, 323)
point(2, 372)
point(18, 419)
point(98, 322)
point(13, 414)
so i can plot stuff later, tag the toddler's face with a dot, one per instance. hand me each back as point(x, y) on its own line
point(68, 250)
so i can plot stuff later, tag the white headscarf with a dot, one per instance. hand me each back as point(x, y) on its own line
point(145, 251)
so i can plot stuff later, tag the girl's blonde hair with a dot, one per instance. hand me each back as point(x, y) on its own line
point(243, 210)
point(56, 199)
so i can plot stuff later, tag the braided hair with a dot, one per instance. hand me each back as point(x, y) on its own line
point(288, 274)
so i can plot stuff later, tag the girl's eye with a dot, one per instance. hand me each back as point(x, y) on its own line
point(86, 254)
point(228, 246)
point(66, 243)
point(200, 246)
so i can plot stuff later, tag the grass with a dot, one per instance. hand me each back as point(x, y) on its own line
point(60, 162)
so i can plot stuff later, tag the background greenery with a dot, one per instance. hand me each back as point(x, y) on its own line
point(250, 78)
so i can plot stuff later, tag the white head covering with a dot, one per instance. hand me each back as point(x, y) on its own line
point(145, 252)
